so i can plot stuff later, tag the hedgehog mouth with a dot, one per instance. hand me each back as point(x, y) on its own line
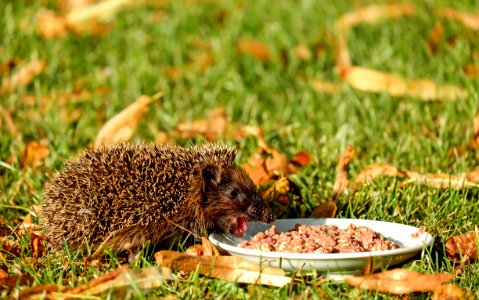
point(241, 227)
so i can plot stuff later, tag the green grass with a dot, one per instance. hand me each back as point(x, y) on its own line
point(135, 58)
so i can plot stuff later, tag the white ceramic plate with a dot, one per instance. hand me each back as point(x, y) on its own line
point(333, 264)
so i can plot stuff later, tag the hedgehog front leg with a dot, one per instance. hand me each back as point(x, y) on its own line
point(127, 239)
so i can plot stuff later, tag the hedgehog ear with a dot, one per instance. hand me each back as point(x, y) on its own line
point(211, 176)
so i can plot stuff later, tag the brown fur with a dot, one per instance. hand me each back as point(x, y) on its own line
point(140, 193)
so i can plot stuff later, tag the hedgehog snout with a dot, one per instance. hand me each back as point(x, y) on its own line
point(258, 213)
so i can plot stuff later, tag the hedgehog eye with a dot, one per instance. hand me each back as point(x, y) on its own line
point(234, 193)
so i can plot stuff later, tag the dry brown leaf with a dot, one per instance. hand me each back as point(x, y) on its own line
point(371, 172)
point(278, 192)
point(80, 19)
point(328, 209)
point(265, 165)
point(40, 290)
point(231, 268)
point(69, 5)
point(322, 86)
point(9, 247)
point(206, 248)
point(471, 70)
point(256, 49)
point(23, 76)
point(50, 25)
point(435, 36)
point(471, 21)
point(342, 182)
point(399, 281)
point(375, 13)
point(451, 292)
point(212, 128)
point(462, 248)
point(123, 125)
point(301, 159)
point(7, 117)
point(123, 278)
point(369, 14)
point(33, 154)
point(373, 81)
point(302, 52)
point(444, 181)
point(11, 282)
point(256, 169)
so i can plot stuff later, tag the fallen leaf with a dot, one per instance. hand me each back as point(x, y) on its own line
point(369, 14)
point(123, 278)
point(322, 86)
point(7, 117)
point(302, 159)
point(471, 21)
point(256, 49)
point(37, 245)
point(50, 25)
point(463, 248)
point(9, 247)
point(444, 181)
point(69, 5)
point(435, 36)
point(451, 292)
point(23, 77)
point(328, 209)
point(373, 81)
point(342, 182)
point(471, 70)
point(212, 128)
point(10, 282)
point(278, 192)
point(266, 164)
point(399, 281)
point(40, 290)
point(206, 248)
point(33, 154)
point(231, 268)
point(302, 52)
point(123, 125)
point(371, 172)
point(256, 169)
point(375, 13)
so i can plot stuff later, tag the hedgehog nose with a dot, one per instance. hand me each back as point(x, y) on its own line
point(268, 216)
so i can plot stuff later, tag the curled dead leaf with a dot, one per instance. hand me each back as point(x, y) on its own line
point(399, 281)
point(123, 125)
point(231, 268)
point(212, 128)
point(373, 81)
point(371, 172)
point(463, 248)
point(206, 248)
point(375, 13)
point(328, 209)
point(342, 182)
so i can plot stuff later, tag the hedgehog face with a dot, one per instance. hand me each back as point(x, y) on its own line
point(231, 200)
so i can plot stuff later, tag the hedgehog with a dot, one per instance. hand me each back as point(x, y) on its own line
point(129, 195)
